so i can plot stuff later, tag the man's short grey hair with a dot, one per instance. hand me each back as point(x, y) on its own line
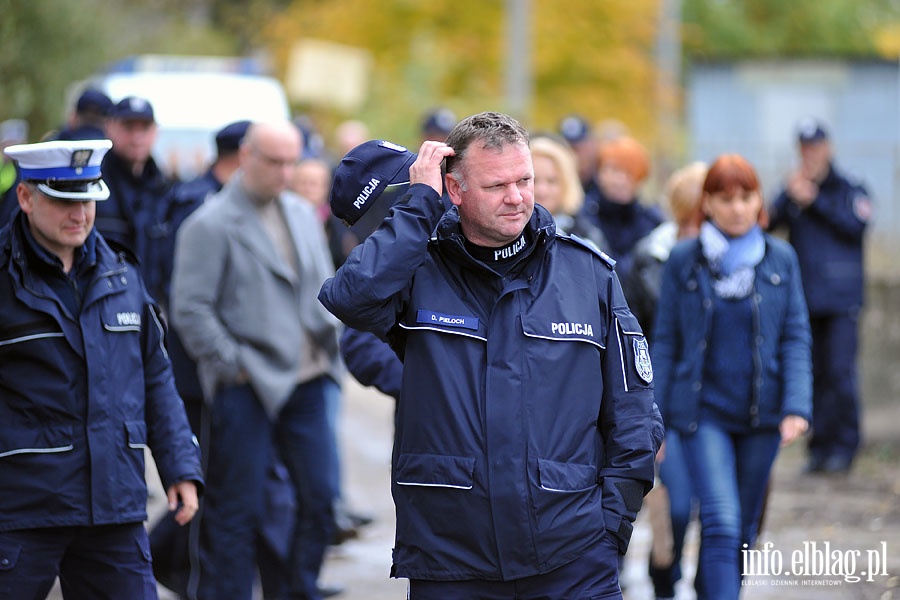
point(489, 130)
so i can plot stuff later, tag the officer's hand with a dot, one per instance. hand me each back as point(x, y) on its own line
point(427, 166)
point(802, 190)
point(186, 492)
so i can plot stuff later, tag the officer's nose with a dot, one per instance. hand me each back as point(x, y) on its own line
point(513, 194)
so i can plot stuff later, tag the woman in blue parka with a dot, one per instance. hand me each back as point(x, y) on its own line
point(732, 359)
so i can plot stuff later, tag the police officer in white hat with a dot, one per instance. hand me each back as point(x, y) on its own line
point(86, 387)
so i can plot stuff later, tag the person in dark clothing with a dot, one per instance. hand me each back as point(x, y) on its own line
point(614, 205)
point(86, 388)
point(514, 471)
point(557, 188)
point(671, 504)
point(134, 217)
point(826, 215)
point(171, 545)
point(731, 347)
point(88, 121)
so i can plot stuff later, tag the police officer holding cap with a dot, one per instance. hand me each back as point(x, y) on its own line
point(86, 387)
point(525, 429)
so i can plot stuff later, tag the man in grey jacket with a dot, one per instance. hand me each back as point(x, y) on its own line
point(248, 266)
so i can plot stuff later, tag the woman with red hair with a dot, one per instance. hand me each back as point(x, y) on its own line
point(731, 353)
point(613, 205)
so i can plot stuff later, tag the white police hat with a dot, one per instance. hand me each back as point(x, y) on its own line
point(67, 169)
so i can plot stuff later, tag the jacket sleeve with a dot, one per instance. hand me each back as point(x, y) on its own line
point(367, 292)
point(174, 447)
point(200, 264)
point(371, 361)
point(843, 212)
point(630, 423)
point(795, 348)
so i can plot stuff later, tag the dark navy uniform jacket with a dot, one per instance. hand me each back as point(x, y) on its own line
point(82, 396)
point(526, 429)
point(828, 238)
point(623, 225)
point(134, 217)
point(183, 199)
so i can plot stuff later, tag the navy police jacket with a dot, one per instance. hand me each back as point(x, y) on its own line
point(828, 238)
point(526, 429)
point(782, 371)
point(134, 216)
point(81, 397)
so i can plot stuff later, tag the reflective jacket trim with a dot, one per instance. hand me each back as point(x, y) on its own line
point(122, 328)
point(37, 450)
point(439, 330)
point(28, 338)
point(162, 332)
point(622, 353)
point(564, 339)
point(438, 485)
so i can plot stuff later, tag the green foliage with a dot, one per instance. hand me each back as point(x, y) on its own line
point(779, 28)
point(44, 44)
point(47, 45)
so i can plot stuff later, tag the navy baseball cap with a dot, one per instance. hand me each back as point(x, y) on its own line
point(574, 129)
point(439, 121)
point(810, 130)
point(69, 170)
point(228, 139)
point(93, 100)
point(374, 171)
point(133, 108)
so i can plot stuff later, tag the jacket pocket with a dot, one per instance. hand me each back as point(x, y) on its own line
point(136, 434)
point(20, 335)
point(586, 329)
point(566, 477)
point(432, 470)
point(9, 555)
point(46, 440)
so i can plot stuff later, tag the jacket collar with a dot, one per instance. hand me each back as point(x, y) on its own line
point(541, 228)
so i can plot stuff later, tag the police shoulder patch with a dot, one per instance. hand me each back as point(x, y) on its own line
point(862, 207)
point(642, 362)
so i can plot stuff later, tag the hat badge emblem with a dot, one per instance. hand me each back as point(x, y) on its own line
point(80, 159)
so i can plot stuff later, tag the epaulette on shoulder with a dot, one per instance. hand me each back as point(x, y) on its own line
point(124, 253)
point(585, 244)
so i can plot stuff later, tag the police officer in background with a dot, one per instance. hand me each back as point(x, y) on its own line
point(88, 120)
point(437, 124)
point(525, 430)
point(170, 543)
point(826, 215)
point(133, 218)
point(86, 387)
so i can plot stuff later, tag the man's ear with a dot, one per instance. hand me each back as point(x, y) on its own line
point(25, 195)
point(453, 188)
